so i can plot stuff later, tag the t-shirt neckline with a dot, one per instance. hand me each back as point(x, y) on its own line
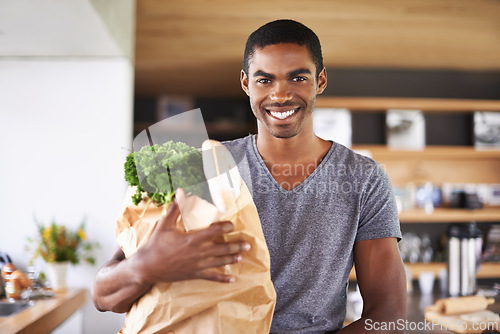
point(303, 183)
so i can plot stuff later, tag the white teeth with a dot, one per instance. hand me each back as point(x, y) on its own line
point(284, 114)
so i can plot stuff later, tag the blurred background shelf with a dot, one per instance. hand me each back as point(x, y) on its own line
point(437, 164)
point(383, 152)
point(445, 215)
point(486, 270)
point(367, 104)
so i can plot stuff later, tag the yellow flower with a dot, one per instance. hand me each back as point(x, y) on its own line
point(81, 234)
point(47, 233)
point(57, 243)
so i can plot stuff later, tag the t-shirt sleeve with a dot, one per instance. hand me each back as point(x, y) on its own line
point(378, 211)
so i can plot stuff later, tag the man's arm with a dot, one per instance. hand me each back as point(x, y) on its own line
point(169, 255)
point(116, 287)
point(382, 282)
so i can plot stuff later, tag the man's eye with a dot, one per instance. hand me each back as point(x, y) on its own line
point(298, 79)
point(263, 81)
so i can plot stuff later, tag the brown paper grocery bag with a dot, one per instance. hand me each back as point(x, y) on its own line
point(202, 306)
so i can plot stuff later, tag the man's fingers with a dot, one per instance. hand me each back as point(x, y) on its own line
point(219, 261)
point(223, 249)
point(213, 231)
point(180, 198)
point(169, 220)
point(215, 276)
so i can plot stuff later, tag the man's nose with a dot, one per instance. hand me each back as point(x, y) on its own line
point(281, 93)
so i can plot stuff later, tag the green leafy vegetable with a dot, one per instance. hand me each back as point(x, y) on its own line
point(160, 169)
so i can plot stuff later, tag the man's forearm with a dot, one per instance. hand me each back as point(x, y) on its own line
point(118, 285)
point(382, 283)
point(387, 309)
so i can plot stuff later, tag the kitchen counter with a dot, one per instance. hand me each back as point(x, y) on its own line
point(416, 304)
point(45, 315)
point(416, 308)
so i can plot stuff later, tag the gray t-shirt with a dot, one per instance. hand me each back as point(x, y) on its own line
point(311, 231)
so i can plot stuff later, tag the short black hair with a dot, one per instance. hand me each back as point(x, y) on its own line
point(284, 31)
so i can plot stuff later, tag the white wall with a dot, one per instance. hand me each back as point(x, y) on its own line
point(63, 126)
point(66, 89)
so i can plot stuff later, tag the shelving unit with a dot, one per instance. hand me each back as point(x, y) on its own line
point(441, 164)
point(437, 164)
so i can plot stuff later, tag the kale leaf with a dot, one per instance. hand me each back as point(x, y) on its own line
point(160, 169)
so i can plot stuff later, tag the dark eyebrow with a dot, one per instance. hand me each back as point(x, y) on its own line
point(296, 72)
point(291, 74)
point(260, 73)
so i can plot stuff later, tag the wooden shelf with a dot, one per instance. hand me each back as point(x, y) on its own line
point(486, 270)
point(376, 104)
point(437, 164)
point(436, 152)
point(443, 215)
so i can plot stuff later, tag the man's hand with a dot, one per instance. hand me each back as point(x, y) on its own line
point(173, 255)
point(169, 255)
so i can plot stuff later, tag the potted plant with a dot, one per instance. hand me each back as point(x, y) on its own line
point(59, 246)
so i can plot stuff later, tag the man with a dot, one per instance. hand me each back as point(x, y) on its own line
point(321, 206)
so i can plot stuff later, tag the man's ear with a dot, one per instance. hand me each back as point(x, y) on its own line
point(244, 82)
point(321, 81)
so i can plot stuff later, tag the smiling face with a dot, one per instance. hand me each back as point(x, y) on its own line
point(282, 87)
